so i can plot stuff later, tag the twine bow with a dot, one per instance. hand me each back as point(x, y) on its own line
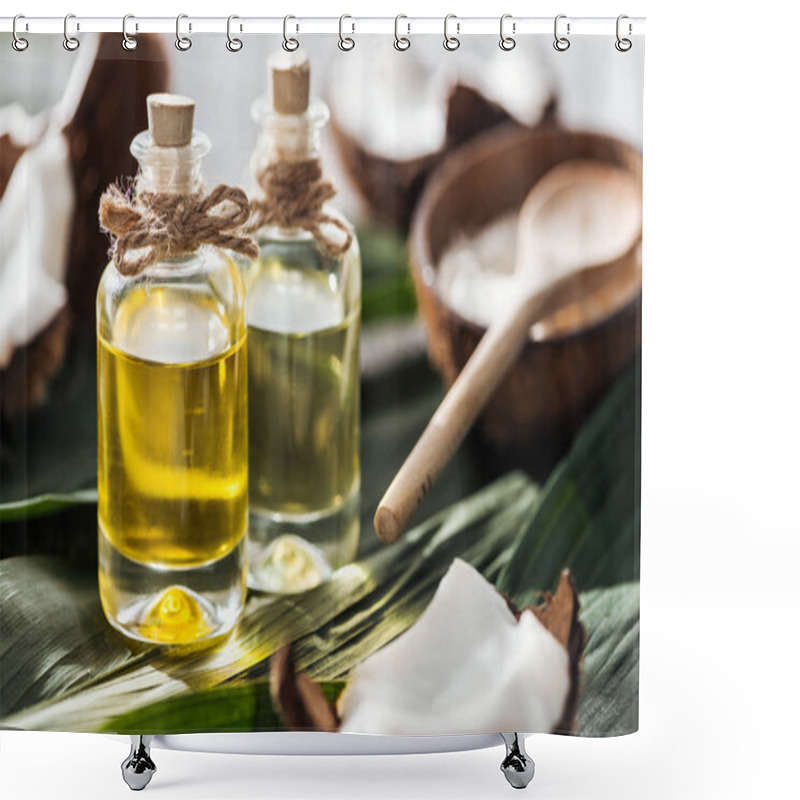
point(148, 227)
point(294, 194)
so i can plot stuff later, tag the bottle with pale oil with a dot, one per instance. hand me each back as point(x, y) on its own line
point(303, 323)
point(172, 418)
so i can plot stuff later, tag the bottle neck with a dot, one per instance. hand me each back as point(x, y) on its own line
point(288, 137)
point(169, 170)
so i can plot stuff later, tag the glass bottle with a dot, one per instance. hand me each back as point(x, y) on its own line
point(303, 321)
point(172, 426)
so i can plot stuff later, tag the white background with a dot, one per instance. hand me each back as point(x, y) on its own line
point(720, 695)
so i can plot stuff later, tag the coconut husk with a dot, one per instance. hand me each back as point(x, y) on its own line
point(111, 111)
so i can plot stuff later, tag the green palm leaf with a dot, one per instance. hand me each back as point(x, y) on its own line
point(479, 529)
point(588, 518)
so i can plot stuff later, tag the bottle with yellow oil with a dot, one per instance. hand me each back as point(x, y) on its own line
point(303, 322)
point(172, 395)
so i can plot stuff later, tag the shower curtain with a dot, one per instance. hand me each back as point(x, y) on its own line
point(511, 601)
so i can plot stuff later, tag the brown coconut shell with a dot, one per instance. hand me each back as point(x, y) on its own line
point(112, 110)
point(300, 701)
point(110, 113)
point(391, 188)
point(533, 416)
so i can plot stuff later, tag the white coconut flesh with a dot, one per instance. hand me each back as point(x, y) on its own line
point(36, 213)
point(476, 274)
point(468, 665)
point(395, 109)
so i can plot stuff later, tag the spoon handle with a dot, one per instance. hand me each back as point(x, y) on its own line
point(475, 384)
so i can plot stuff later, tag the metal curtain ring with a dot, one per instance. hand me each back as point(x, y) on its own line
point(183, 43)
point(128, 42)
point(451, 42)
point(561, 43)
point(401, 42)
point(507, 42)
point(70, 42)
point(346, 42)
point(623, 44)
point(290, 44)
point(18, 43)
point(233, 44)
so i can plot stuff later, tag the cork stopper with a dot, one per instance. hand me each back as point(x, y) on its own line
point(170, 119)
point(290, 77)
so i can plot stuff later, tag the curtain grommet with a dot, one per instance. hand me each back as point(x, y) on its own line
point(451, 43)
point(507, 43)
point(70, 43)
point(128, 42)
point(346, 43)
point(289, 44)
point(623, 44)
point(233, 44)
point(560, 43)
point(401, 43)
point(182, 43)
point(18, 42)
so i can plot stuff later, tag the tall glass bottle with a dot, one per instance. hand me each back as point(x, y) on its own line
point(303, 321)
point(172, 419)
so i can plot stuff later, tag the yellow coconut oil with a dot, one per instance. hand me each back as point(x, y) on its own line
point(172, 439)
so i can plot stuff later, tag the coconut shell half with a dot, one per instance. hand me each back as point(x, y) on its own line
point(391, 188)
point(112, 110)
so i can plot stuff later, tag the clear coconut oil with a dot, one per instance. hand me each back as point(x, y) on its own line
point(172, 435)
point(303, 321)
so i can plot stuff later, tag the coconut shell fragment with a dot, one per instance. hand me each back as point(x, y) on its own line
point(559, 614)
point(364, 707)
point(301, 702)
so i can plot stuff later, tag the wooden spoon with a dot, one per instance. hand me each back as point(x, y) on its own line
point(579, 217)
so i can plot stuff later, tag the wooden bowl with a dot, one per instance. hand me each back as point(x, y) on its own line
point(536, 411)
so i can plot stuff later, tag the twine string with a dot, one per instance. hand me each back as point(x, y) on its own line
point(294, 196)
point(148, 227)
